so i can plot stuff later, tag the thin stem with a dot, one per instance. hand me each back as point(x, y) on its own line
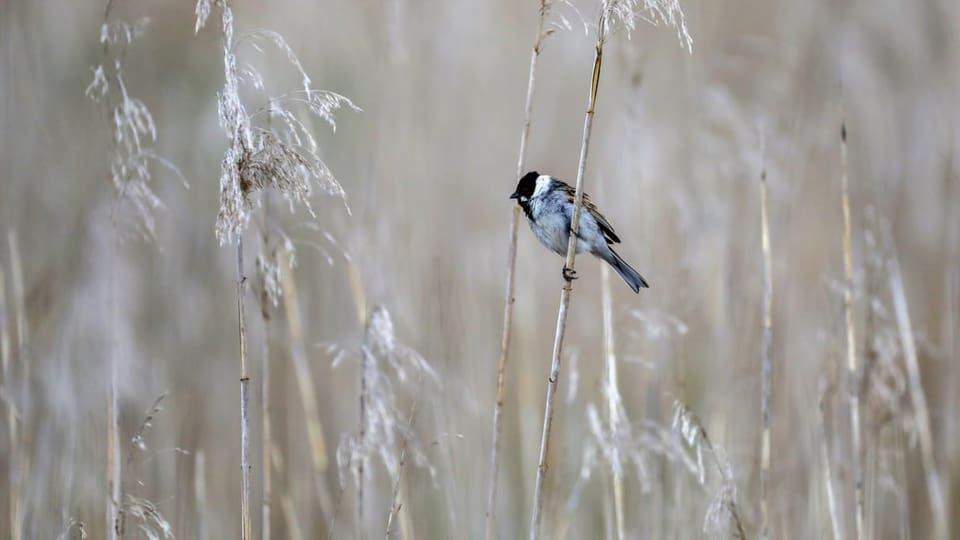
point(919, 400)
point(245, 467)
point(396, 505)
point(17, 454)
point(828, 471)
point(13, 492)
point(766, 365)
point(537, 512)
point(114, 470)
point(853, 383)
point(200, 493)
point(506, 334)
point(266, 441)
point(305, 386)
point(613, 396)
point(366, 365)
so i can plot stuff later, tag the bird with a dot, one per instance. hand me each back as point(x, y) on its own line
point(547, 203)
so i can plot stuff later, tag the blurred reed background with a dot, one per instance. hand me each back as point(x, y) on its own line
point(400, 299)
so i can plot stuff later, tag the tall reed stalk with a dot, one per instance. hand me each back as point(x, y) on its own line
point(765, 359)
point(286, 158)
point(245, 467)
point(17, 458)
point(266, 434)
point(5, 376)
point(612, 12)
point(537, 512)
point(132, 129)
point(835, 529)
point(919, 401)
point(490, 517)
point(613, 399)
point(305, 386)
point(853, 373)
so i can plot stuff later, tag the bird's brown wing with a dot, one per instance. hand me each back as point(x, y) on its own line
point(605, 227)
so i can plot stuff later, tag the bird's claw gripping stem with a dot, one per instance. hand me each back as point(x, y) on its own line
point(569, 274)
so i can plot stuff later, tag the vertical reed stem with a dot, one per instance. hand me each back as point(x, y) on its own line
point(266, 441)
point(114, 471)
point(766, 365)
point(17, 457)
point(919, 401)
point(828, 471)
point(853, 374)
point(245, 467)
point(200, 493)
point(490, 517)
point(537, 512)
point(6, 373)
point(305, 386)
point(612, 392)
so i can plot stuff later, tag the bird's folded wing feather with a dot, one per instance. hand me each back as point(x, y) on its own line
point(605, 227)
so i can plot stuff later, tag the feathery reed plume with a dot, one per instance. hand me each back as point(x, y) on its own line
point(75, 530)
point(490, 516)
point(612, 13)
point(723, 516)
point(132, 129)
point(613, 398)
point(918, 398)
point(285, 158)
point(150, 521)
point(766, 365)
point(853, 373)
point(382, 430)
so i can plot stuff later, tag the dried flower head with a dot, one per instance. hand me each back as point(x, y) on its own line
point(624, 13)
point(384, 427)
point(271, 146)
point(147, 517)
point(138, 441)
point(133, 130)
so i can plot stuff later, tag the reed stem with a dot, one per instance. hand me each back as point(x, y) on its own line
point(537, 512)
point(506, 333)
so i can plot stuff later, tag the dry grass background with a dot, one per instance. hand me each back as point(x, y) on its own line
point(427, 167)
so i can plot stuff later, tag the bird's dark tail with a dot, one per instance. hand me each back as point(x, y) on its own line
point(631, 276)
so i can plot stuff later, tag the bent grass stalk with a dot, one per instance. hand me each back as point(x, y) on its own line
point(489, 518)
point(537, 512)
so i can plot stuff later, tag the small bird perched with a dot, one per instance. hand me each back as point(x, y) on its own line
point(548, 205)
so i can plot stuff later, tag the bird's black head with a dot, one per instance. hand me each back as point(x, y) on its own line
point(525, 187)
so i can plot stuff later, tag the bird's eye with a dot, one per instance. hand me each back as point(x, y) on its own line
point(522, 198)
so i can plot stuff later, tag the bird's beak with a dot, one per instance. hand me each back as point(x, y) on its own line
point(515, 195)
